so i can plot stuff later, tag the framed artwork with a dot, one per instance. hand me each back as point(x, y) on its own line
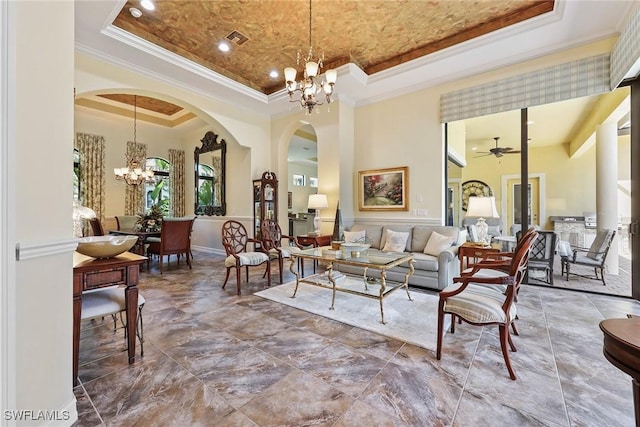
point(384, 189)
point(298, 180)
point(313, 182)
point(474, 188)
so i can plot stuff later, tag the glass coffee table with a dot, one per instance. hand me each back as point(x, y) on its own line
point(366, 285)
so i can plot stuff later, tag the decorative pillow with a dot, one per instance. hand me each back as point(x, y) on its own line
point(355, 236)
point(396, 241)
point(437, 243)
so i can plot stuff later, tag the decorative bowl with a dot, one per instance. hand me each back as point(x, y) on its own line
point(105, 246)
point(355, 249)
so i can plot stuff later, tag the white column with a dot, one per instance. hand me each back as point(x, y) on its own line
point(607, 186)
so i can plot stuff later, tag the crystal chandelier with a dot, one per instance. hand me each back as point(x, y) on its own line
point(133, 174)
point(311, 86)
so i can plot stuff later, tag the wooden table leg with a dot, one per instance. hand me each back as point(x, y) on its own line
point(77, 311)
point(131, 303)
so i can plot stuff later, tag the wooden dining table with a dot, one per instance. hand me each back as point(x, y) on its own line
point(93, 273)
point(142, 237)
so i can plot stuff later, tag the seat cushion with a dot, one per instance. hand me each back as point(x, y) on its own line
point(103, 302)
point(246, 258)
point(425, 262)
point(273, 253)
point(477, 304)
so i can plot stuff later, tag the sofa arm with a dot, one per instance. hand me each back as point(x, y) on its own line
point(448, 267)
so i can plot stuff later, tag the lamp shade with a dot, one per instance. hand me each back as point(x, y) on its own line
point(318, 201)
point(482, 207)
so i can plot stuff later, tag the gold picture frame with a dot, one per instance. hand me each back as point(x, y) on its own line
point(384, 189)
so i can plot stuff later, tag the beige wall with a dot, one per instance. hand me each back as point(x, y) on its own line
point(39, 349)
point(299, 194)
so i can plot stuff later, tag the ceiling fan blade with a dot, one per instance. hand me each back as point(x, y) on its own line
point(506, 149)
point(484, 155)
point(512, 152)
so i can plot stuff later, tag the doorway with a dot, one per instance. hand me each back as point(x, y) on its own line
point(512, 203)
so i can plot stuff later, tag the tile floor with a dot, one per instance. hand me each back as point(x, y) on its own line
point(213, 358)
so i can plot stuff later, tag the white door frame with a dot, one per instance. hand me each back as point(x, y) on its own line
point(541, 195)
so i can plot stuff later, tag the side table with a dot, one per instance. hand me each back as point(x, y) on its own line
point(475, 251)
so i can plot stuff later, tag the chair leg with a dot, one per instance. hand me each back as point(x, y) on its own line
point(140, 330)
point(440, 328)
point(161, 259)
point(280, 263)
point(238, 276)
point(511, 344)
point(602, 276)
point(227, 277)
point(269, 273)
point(504, 340)
point(515, 330)
point(453, 324)
point(188, 259)
point(247, 273)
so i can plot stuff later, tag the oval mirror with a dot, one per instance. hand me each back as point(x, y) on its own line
point(209, 176)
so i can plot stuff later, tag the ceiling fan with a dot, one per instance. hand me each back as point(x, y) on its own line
point(498, 151)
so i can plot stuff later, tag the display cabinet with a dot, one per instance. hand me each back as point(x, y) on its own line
point(265, 201)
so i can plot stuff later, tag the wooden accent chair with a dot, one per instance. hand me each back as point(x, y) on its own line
point(235, 240)
point(175, 238)
point(594, 257)
point(96, 227)
point(272, 242)
point(470, 299)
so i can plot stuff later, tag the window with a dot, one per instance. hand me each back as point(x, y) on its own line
point(76, 174)
point(298, 180)
point(157, 191)
point(206, 179)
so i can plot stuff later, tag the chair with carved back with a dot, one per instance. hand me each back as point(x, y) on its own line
point(470, 299)
point(272, 242)
point(175, 239)
point(235, 240)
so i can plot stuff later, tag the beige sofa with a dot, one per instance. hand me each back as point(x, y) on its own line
point(431, 272)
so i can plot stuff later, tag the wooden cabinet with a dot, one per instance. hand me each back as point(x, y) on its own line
point(265, 200)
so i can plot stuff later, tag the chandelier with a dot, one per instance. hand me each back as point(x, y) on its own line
point(133, 174)
point(311, 86)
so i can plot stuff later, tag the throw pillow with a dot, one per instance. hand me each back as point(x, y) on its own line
point(396, 241)
point(437, 243)
point(355, 236)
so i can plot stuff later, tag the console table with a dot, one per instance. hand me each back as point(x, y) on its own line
point(92, 273)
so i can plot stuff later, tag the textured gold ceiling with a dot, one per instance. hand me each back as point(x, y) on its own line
point(373, 34)
point(145, 102)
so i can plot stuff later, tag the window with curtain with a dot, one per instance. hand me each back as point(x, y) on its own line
point(157, 191)
point(206, 179)
point(76, 175)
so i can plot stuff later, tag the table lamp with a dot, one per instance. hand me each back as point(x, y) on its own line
point(317, 202)
point(482, 207)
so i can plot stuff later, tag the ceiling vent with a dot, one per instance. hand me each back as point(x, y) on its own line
point(237, 37)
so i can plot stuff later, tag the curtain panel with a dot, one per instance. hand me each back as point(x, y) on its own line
point(134, 202)
point(176, 178)
point(92, 177)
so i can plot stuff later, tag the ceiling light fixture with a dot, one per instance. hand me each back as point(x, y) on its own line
point(148, 4)
point(311, 84)
point(135, 12)
point(133, 174)
point(224, 47)
point(273, 74)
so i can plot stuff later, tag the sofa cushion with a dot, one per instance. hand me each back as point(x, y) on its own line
point(421, 234)
point(355, 236)
point(373, 233)
point(395, 241)
point(400, 229)
point(437, 243)
point(425, 262)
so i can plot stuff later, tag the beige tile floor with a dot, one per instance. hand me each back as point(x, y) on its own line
point(213, 358)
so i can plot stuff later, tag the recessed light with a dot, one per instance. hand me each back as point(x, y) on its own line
point(474, 148)
point(135, 12)
point(274, 74)
point(224, 47)
point(148, 4)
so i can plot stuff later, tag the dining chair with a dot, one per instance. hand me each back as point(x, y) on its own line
point(272, 237)
point(595, 256)
point(96, 227)
point(235, 241)
point(175, 239)
point(542, 256)
point(470, 299)
point(126, 222)
point(99, 303)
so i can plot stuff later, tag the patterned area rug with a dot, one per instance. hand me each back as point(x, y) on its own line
point(413, 322)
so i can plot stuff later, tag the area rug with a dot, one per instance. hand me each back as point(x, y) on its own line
point(413, 322)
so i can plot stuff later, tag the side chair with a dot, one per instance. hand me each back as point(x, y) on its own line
point(235, 241)
point(175, 239)
point(594, 257)
point(470, 299)
point(272, 242)
point(96, 227)
point(126, 222)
